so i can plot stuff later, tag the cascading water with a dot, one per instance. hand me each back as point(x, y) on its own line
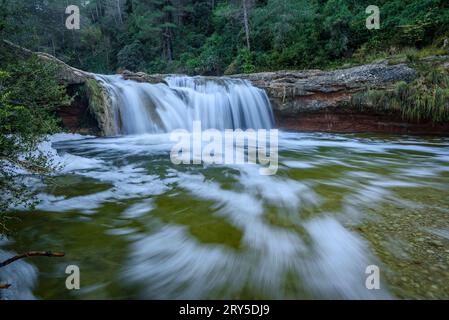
point(220, 103)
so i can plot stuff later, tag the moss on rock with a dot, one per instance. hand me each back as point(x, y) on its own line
point(99, 105)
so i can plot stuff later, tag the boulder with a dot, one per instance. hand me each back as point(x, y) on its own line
point(143, 77)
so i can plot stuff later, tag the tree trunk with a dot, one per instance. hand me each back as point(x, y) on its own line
point(168, 44)
point(129, 7)
point(246, 23)
point(119, 12)
point(168, 34)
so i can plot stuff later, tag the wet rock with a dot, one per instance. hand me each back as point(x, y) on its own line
point(143, 77)
point(100, 105)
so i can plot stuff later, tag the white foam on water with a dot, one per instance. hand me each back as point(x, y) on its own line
point(278, 191)
point(337, 261)
point(128, 182)
point(173, 265)
point(139, 209)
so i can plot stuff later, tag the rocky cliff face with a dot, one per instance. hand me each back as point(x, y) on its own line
point(295, 92)
point(99, 103)
point(316, 100)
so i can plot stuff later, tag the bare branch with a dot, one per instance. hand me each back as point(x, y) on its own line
point(32, 254)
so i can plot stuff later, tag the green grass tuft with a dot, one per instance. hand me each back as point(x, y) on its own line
point(426, 98)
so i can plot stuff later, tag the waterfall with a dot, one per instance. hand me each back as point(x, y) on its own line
point(220, 103)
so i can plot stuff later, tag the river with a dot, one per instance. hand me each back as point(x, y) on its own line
point(139, 226)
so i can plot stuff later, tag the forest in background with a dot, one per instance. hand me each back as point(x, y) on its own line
point(214, 37)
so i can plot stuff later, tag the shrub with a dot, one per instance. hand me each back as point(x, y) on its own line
point(426, 98)
point(29, 96)
point(130, 57)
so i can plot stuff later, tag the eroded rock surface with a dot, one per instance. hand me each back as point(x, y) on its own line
point(295, 92)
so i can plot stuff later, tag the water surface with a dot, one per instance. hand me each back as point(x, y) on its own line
point(139, 226)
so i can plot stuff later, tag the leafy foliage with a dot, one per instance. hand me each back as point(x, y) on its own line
point(130, 56)
point(29, 95)
point(208, 36)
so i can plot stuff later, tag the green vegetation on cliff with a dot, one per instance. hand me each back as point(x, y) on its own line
point(426, 98)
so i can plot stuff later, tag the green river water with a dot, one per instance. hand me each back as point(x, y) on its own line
point(140, 227)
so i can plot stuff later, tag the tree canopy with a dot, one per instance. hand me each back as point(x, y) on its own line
point(218, 36)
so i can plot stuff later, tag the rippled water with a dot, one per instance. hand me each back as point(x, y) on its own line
point(139, 226)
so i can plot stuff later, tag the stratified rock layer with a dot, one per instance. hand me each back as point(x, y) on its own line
point(295, 92)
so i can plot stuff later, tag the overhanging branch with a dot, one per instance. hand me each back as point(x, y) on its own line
point(25, 255)
point(32, 254)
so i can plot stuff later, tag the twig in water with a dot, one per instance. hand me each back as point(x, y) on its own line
point(25, 255)
point(32, 254)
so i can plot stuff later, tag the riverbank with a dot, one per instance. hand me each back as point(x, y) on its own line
point(404, 96)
